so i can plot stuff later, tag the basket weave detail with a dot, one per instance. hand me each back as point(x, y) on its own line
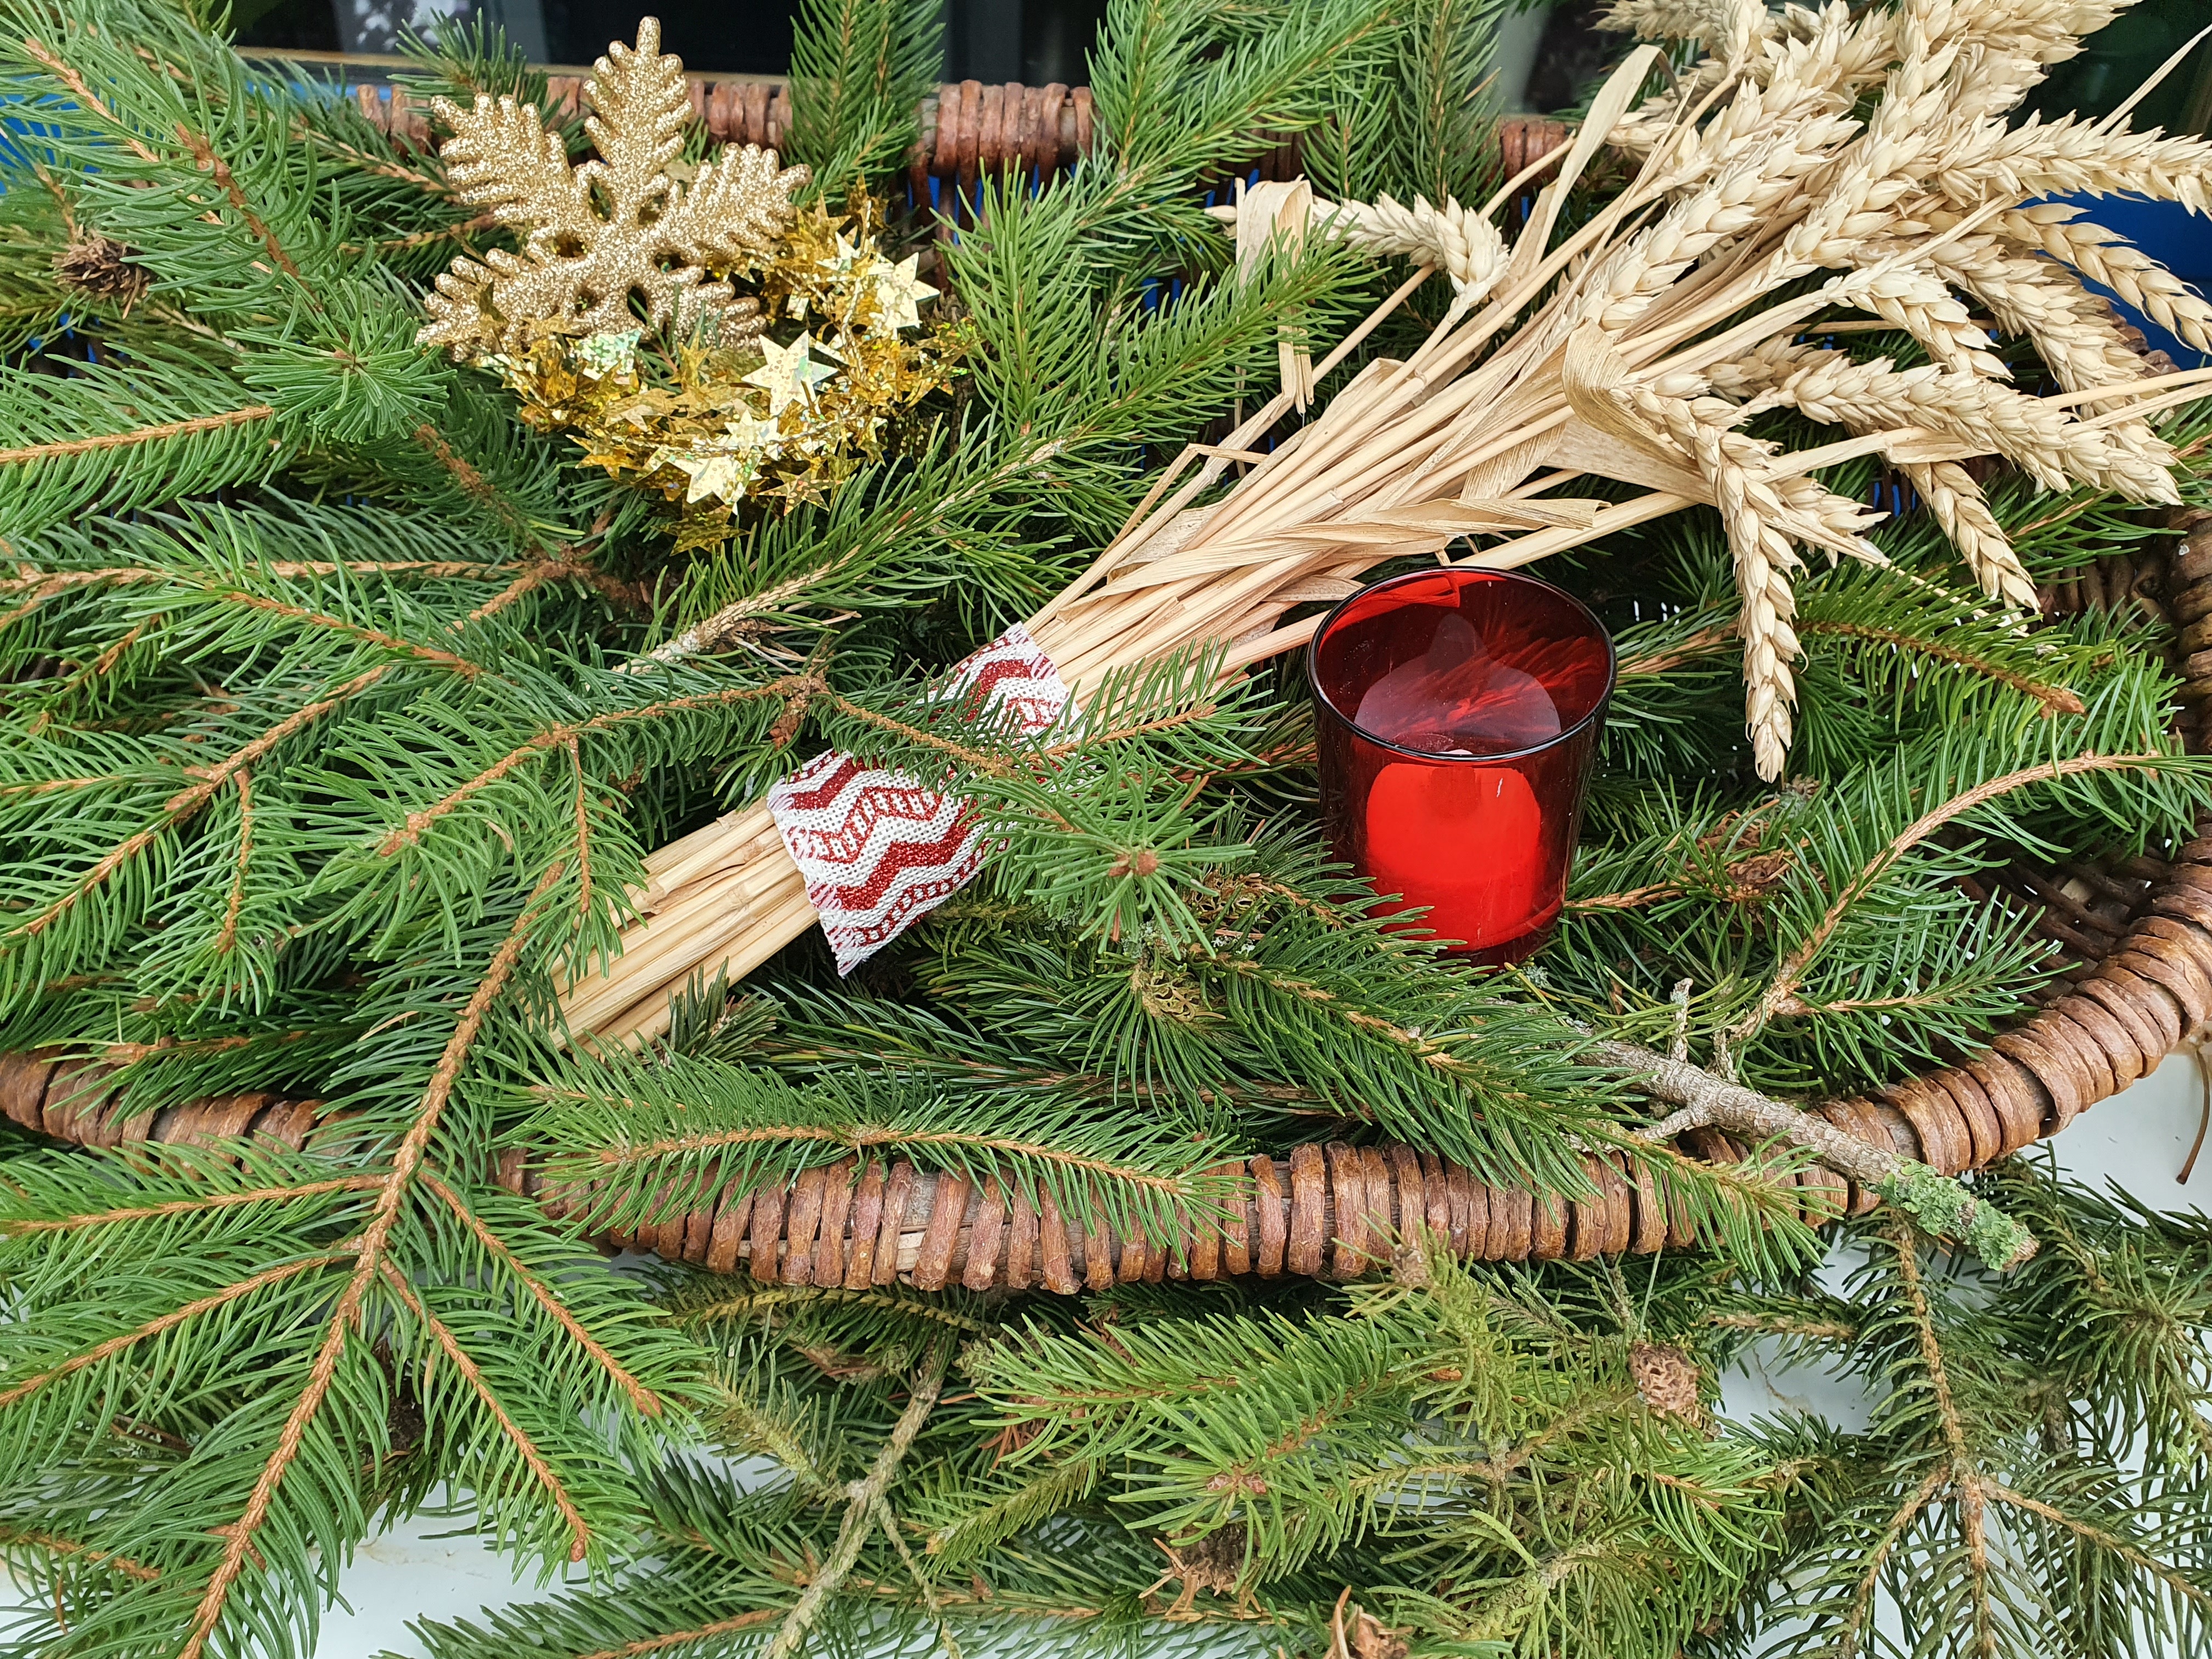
point(967, 128)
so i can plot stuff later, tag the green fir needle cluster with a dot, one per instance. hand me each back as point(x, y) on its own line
point(321, 772)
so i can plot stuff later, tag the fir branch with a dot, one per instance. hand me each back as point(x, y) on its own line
point(866, 1139)
point(471, 480)
point(533, 1459)
point(227, 934)
point(1964, 1474)
point(63, 72)
point(206, 159)
point(681, 1639)
point(46, 585)
point(2055, 699)
point(2180, 1584)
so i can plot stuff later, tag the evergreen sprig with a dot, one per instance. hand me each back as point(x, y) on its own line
point(343, 713)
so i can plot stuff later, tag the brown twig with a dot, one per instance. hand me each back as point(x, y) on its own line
point(1703, 1100)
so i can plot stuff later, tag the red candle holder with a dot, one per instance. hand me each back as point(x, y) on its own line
point(1458, 715)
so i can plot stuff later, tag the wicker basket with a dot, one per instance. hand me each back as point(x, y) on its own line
point(2133, 937)
point(968, 130)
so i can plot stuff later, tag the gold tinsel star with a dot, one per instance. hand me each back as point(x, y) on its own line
point(790, 375)
point(901, 293)
point(720, 478)
point(620, 225)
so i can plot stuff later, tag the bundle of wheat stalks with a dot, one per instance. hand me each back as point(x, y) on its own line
point(1664, 323)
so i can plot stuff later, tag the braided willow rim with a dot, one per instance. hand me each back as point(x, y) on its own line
point(2133, 935)
point(969, 130)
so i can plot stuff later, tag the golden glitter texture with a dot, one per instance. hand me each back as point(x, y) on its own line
point(599, 234)
point(785, 416)
point(696, 400)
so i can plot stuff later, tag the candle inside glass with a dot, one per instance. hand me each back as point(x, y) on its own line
point(1458, 715)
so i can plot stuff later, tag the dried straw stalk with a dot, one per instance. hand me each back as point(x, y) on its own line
point(1633, 351)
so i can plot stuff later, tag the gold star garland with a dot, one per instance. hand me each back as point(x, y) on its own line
point(717, 397)
point(710, 427)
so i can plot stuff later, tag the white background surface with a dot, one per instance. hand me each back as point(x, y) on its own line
point(2137, 1140)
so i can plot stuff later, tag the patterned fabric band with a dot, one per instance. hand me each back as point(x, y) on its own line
point(879, 850)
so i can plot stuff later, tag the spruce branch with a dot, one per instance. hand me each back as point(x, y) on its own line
point(1791, 971)
point(170, 1321)
point(369, 1250)
point(210, 782)
point(70, 1546)
point(2055, 699)
point(197, 148)
point(25, 1225)
point(532, 1458)
point(864, 1497)
point(866, 1137)
point(647, 1402)
point(733, 1625)
point(559, 737)
point(2104, 1539)
point(161, 432)
point(1869, 1578)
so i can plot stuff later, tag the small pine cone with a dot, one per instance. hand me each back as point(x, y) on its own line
point(95, 264)
point(1668, 1381)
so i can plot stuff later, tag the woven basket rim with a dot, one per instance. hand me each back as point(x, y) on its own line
point(1337, 1211)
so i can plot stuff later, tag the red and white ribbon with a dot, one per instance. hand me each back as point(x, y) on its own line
point(879, 850)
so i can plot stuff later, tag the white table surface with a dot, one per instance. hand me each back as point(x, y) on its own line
point(2137, 1140)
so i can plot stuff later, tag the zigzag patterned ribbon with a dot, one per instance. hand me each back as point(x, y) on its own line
point(879, 850)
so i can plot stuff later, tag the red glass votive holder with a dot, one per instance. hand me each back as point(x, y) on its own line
point(1458, 713)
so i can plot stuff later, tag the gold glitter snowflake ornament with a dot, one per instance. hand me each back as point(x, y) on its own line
point(614, 229)
point(618, 323)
